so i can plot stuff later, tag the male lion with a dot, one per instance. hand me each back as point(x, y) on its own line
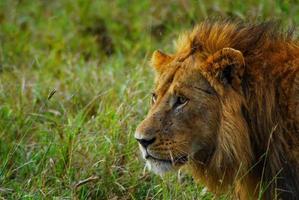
point(226, 105)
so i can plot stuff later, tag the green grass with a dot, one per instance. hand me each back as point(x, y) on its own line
point(93, 55)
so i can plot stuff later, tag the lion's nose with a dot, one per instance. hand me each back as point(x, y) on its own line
point(146, 142)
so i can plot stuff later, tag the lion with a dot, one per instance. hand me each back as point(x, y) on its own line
point(226, 106)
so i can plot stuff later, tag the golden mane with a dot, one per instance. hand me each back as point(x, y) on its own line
point(253, 40)
point(269, 89)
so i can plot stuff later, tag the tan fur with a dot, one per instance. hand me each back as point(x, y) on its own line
point(240, 126)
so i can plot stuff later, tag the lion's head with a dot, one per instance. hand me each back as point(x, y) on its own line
point(194, 101)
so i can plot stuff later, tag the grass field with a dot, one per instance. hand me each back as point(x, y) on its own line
point(75, 82)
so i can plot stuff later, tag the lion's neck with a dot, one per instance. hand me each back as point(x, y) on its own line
point(271, 113)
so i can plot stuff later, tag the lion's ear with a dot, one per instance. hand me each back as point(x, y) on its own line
point(159, 60)
point(227, 66)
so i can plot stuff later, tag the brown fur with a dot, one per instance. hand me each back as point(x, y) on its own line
point(242, 85)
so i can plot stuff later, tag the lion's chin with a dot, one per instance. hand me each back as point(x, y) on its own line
point(159, 167)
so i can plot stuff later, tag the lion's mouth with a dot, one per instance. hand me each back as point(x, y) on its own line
point(174, 161)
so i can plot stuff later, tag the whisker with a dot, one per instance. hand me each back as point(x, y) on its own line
point(171, 156)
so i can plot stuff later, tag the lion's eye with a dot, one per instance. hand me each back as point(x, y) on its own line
point(154, 98)
point(180, 101)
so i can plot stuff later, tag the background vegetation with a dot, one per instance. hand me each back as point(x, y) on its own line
point(75, 82)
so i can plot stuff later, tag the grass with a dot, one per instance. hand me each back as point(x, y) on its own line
point(74, 84)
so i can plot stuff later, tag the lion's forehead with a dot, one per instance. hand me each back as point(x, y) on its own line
point(182, 79)
point(181, 76)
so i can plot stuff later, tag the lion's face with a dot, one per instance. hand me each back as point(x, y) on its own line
point(196, 114)
point(182, 123)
